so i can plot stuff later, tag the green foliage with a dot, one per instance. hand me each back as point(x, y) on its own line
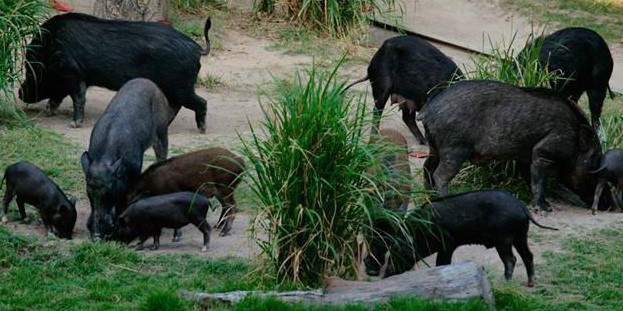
point(504, 64)
point(19, 19)
point(310, 161)
point(339, 18)
point(611, 132)
point(105, 276)
point(196, 6)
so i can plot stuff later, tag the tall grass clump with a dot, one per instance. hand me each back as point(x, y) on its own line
point(338, 18)
point(611, 132)
point(313, 191)
point(19, 19)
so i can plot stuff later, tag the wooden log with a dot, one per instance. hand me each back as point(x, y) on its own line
point(455, 282)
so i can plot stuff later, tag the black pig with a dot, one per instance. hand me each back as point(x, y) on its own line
point(74, 51)
point(407, 69)
point(147, 217)
point(610, 171)
point(29, 184)
point(492, 218)
point(136, 118)
point(213, 172)
point(581, 59)
point(484, 120)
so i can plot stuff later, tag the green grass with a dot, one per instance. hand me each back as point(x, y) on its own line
point(19, 19)
point(51, 152)
point(603, 16)
point(197, 6)
point(211, 82)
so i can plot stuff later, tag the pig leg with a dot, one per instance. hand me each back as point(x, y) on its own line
point(539, 177)
point(79, 98)
point(9, 193)
point(161, 146)
point(449, 165)
point(506, 254)
point(521, 245)
point(430, 165)
point(177, 234)
point(22, 209)
point(598, 190)
point(156, 234)
point(228, 213)
point(380, 92)
point(204, 227)
point(53, 104)
point(408, 117)
point(200, 106)
point(596, 98)
point(141, 240)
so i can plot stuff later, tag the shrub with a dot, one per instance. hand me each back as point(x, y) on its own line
point(339, 18)
point(311, 178)
point(19, 19)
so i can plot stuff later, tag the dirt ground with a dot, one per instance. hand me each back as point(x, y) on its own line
point(245, 64)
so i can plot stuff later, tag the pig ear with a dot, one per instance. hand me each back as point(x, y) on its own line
point(117, 167)
point(86, 162)
point(588, 138)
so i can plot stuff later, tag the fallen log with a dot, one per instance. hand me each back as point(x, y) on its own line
point(455, 282)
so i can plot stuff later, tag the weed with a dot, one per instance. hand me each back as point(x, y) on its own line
point(211, 82)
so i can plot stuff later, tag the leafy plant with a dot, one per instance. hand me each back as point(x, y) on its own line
point(611, 132)
point(339, 18)
point(196, 6)
point(311, 181)
point(19, 19)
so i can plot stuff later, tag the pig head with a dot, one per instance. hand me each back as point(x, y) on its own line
point(106, 186)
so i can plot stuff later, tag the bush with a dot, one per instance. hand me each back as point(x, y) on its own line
point(337, 17)
point(311, 179)
point(195, 6)
point(19, 19)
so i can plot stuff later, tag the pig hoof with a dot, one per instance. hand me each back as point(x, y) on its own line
point(202, 130)
point(75, 124)
point(224, 233)
point(50, 113)
point(544, 213)
point(204, 249)
point(140, 247)
point(176, 239)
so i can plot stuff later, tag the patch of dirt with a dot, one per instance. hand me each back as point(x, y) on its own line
point(246, 63)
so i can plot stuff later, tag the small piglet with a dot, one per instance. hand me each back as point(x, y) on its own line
point(492, 218)
point(610, 171)
point(148, 216)
point(29, 184)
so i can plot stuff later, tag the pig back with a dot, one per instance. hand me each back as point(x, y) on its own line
point(497, 120)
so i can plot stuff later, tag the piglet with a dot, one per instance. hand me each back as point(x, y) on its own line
point(29, 184)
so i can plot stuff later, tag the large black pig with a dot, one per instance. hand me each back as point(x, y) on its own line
point(492, 218)
point(407, 69)
point(29, 184)
point(136, 118)
point(75, 51)
point(581, 59)
point(484, 120)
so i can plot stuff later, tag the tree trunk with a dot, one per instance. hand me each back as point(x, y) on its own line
point(455, 282)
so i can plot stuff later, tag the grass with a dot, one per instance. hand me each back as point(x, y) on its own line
point(310, 180)
point(37, 275)
point(211, 82)
point(603, 16)
point(19, 19)
point(197, 6)
point(342, 19)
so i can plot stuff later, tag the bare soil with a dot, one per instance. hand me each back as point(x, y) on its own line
point(246, 63)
